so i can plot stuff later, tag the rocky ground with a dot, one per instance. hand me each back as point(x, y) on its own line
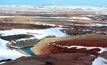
point(57, 35)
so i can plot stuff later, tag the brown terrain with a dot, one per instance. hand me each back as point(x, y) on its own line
point(83, 44)
point(62, 46)
point(8, 26)
point(58, 59)
point(54, 59)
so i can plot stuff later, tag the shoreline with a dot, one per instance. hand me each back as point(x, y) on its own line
point(23, 52)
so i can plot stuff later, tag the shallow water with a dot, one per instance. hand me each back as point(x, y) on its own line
point(27, 50)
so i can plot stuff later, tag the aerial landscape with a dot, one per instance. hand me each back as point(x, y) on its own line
point(53, 35)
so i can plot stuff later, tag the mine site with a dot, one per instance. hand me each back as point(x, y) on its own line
point(53, 35)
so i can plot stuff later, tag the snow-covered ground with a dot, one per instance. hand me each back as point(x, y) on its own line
point(51, 9)
point(97, 61)
point(81, 47)
point(100, 61)
point(6, 53)
point(7, 16)
point(37, 33)
point(97, 25)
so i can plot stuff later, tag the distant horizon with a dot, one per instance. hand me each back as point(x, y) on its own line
point(55, 5)
point(95, 3)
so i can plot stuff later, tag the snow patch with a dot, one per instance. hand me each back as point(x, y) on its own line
point(6, 53)
point(97, 25)
point(100, 61)
point(37, 33)
point(81, 47)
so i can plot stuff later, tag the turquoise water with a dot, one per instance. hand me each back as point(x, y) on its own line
point(27, 50)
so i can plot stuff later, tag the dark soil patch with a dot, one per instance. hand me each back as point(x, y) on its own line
point(15, 37)
point(7, 26)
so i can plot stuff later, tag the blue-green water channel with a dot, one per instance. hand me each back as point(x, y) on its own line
point(27, 50)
